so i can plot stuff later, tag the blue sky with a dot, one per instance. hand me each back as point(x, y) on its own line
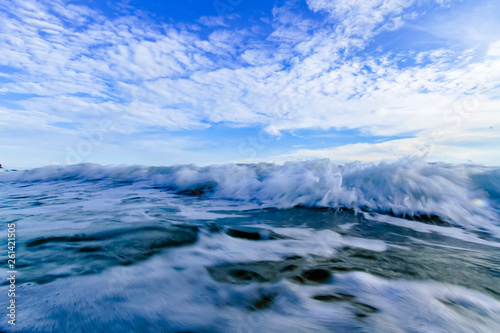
point(168, 82)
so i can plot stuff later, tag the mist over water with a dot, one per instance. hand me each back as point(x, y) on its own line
point(305, 246)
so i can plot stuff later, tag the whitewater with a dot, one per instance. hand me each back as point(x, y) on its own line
point(308, 246)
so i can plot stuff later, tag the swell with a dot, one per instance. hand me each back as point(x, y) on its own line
point(462, 195)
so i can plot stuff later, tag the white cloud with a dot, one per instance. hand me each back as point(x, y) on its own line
point(304, 74)
point(403, 148)
point(363, 18)
point(213, 21)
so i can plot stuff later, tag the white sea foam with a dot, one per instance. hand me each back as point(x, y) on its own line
point(424, 228)
point(174, 292)
point(466, 196)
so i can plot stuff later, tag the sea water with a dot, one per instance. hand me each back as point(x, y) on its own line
point(301, 247)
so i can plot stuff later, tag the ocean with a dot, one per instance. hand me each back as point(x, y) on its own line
point(306, 246)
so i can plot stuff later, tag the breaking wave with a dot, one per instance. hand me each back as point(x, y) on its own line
point(467, 196)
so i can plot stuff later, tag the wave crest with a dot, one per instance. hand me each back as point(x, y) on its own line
point(466, 196)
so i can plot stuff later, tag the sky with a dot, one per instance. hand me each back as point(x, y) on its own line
point(237, 81)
